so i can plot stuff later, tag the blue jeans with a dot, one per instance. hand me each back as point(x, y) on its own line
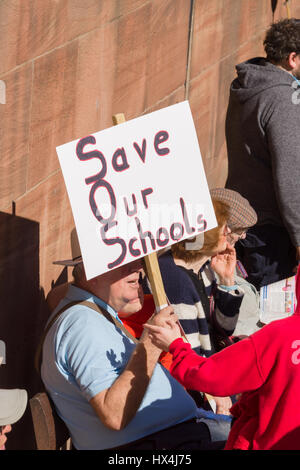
point(219, 425)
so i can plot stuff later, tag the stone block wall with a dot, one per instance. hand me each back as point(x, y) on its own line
point(67, 67)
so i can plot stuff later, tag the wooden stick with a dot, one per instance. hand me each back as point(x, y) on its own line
point(151, 262)
point(118, 119)
point(156, 282)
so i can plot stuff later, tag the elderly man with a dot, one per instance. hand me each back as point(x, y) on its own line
point(262, 134)
point(111, 392)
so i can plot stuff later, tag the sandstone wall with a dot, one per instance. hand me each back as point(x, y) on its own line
point(68, 66)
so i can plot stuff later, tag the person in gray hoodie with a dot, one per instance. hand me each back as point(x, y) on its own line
point(263, 144)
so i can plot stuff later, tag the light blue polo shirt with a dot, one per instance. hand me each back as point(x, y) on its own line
point(84, 354)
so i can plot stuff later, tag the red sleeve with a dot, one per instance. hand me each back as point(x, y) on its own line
point(232, 370)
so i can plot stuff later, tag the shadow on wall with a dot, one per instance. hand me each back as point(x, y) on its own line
point(62, 278)
point(23, 314)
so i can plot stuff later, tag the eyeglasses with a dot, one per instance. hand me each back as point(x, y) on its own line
point(241, 233)
point(234, 236)
point(227, 230)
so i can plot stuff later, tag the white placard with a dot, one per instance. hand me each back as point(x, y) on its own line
point(136, 188)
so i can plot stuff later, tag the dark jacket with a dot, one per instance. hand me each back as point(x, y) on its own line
point(263, 143)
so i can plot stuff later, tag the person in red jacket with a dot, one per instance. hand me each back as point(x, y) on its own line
point(264, 368)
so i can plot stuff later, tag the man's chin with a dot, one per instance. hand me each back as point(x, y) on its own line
point(131, 308)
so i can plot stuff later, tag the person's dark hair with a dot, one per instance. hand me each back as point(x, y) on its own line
point(282, 38)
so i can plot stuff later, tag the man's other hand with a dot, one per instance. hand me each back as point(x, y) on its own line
point(165, 318)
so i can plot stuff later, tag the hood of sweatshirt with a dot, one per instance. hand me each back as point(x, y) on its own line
point(256, 76)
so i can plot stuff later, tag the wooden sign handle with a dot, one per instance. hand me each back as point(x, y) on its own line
point(156, 282)
point(151, 261)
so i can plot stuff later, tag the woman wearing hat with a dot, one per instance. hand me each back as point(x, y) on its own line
point(200, 280)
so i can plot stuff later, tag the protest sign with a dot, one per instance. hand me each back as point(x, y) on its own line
point(136, 188)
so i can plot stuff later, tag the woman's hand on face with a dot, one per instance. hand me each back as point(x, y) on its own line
point(224, 264)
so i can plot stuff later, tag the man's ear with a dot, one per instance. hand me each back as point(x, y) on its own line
point(292, 60)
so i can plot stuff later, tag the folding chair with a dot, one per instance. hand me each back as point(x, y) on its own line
point(50, 431)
